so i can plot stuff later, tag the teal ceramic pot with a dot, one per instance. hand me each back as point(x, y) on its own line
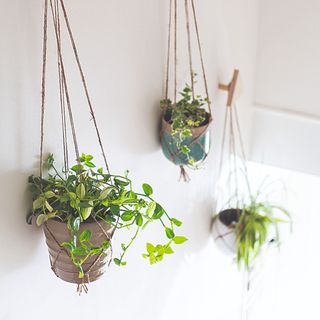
point(199, 144)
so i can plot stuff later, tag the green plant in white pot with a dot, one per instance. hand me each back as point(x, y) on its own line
point(246, 228)
point(248, 221)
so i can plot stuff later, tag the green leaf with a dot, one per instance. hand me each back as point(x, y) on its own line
point(86, 212)
point(151, 208)
point(179, 239)
point(139, 220)
point(38, 203)
point(150, 248)
point(100, 170)
point(158, 212)
point(169, 233)
point(49, 194)
point(85, 235)
point(50, 161)
point(72, 196)
point(49, 208)
point(79, 251)
point(147, 189)
point(77, 168)
point(81, 191)
point(117, 261)
point(121, 182)
point(127, 215)
point(184, 149)
point(89, 164)
point(42, 218)
point(88, 157)
point(177, 222)
point(104, 194)
point(168, 250)
point(115, 209)
point(152, 258)
point(160, 249)
point(85, 204)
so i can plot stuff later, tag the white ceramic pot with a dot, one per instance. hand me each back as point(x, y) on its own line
point(223, 235)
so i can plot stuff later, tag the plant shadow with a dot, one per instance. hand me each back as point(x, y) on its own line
point(19, 240)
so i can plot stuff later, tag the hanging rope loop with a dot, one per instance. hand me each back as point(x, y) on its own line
point(76, 54)
point(174, 25)
point(43, 85)
point(64, 95)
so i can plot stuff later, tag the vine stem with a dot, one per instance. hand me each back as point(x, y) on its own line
point(130, 243)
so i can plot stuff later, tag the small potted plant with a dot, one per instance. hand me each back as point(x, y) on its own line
point(245, 229)
point(82, 208)
point(185, 137)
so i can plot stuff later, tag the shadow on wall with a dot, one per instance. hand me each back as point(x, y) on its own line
point(19, 240)
point(143, 135)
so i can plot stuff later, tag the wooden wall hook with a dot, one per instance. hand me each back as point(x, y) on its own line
point(231, 87)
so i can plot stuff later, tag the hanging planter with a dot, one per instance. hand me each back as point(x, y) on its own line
point(246, 224)
point(185, 134)
point(81, 207)
point(246, 230)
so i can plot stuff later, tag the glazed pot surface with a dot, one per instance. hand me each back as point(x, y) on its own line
point(199, 144)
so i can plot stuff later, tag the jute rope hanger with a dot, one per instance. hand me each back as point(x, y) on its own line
point(65, 101)
point(173, 3)
point(232, 118)
point(56, 22)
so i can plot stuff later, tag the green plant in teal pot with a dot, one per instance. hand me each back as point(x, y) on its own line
point(82, 208)
point(185, 134)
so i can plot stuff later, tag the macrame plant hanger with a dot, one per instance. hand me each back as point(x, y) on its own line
point(56, 8)
point(232, 129)
point(172, 29)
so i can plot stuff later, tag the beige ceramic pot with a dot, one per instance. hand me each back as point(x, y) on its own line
point(56, 232)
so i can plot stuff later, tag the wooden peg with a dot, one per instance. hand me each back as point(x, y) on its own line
point(231, 87)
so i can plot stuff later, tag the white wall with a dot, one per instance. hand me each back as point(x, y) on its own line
point(287, 113)
point(122, 46)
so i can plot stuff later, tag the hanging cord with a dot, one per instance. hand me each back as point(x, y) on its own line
point(75, 142)
point(175, 52)
point(223, 146)
point(43, 85)
point(189, 46)
point(62, 96)
point(184, 174)
point(201, 56)
point(233, 140)
point(168, 53)
point(75, 50)
point(243, 153)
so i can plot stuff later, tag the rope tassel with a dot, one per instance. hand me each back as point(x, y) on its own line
point(184, 175)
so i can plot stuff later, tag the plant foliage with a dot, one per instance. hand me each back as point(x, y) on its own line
point(86, 194)
point(258, 223)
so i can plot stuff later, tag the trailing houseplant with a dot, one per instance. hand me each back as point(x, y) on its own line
point(185, 139)
point(84, 196)
point(245, 228)
point(185, 135)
